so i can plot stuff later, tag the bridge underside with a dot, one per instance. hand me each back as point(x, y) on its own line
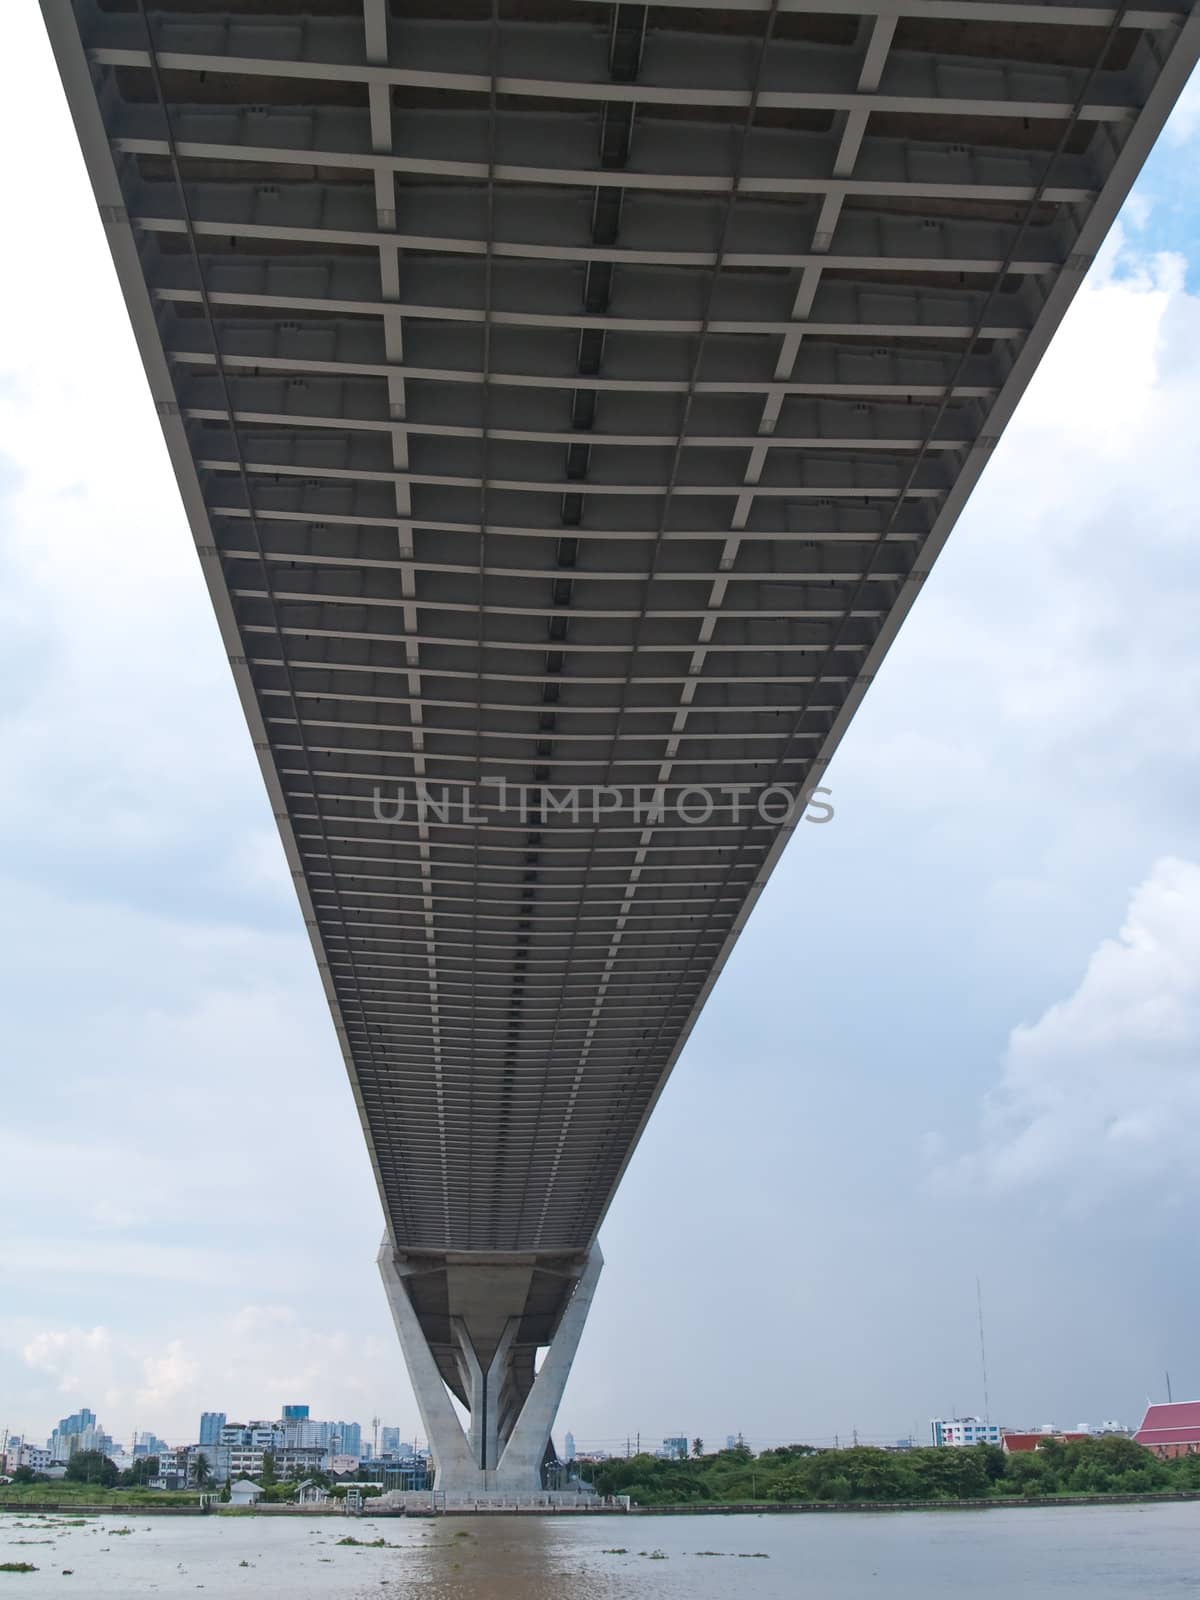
point(571, 397)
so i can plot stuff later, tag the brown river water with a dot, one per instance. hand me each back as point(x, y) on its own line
point(1146, 1551)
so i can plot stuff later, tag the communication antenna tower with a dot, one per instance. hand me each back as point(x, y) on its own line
point(987, 1408)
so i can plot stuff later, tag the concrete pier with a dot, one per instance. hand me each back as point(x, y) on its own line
point(511, 1406)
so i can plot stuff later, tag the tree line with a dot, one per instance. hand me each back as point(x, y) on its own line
point(1108, 1464)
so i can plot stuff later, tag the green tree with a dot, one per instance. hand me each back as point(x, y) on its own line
point(697, 1448)
point(92, 1466)
point(268, 1471)
point(140, 1473)
point(202, 1470)
point(789, 1473)
point(993, 1461)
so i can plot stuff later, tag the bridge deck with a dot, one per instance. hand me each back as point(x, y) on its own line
point(575, 395)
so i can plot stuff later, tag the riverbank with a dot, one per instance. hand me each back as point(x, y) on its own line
point(749, 1508)
point(758, 1508)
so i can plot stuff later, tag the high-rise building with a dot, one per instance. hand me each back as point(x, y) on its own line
point(569, 1447)
point(211, 1423)
point(295, 1413)
point(79, 1431)
point(78, 1421)
point(348, 1438)
point(389, 1441)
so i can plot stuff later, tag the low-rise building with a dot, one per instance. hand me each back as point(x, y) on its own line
point(962, 1432)
point(244, 1493)
point(1016, 1443)
point(172, 1469)
point(243, 1448)
point(299, 1461)
point(1172, 1429)
point(21, 1453)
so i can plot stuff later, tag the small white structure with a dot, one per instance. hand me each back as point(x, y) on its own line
point(309, 1493)
point(244, 1493)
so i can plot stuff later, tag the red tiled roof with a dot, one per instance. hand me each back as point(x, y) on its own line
point(1013, 1442)
point(1173, 1423)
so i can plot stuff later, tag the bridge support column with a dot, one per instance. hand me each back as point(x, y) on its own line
point(508, 1441)
point(454, 1468)
point(484, 1386)
point(520, 1466)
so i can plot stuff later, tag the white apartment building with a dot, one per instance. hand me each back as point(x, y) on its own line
point(20, 1453)
point(241, 1449)
point(960, 1432)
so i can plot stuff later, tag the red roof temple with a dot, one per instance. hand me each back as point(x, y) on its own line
point(1172, 1429)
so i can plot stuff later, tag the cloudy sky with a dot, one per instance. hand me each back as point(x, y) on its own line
point(961, 1038)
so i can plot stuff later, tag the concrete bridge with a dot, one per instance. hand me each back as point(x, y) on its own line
point(569, 400)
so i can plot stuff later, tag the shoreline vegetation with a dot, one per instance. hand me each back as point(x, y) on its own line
point(863, 1476)
point(711, 1508)
point(794, 1478)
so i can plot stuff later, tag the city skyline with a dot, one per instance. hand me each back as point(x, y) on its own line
point(1013, 861)
point(957, 1429)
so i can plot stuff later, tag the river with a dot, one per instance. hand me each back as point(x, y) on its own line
point(1149, 1551)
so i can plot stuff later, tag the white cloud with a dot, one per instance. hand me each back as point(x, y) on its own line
point(1041, 699)
point(118, 700)
point(167, 1377)
point(1184, 122)
point(80, 1360)
point(1104, 1089)
point(270, 1354)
